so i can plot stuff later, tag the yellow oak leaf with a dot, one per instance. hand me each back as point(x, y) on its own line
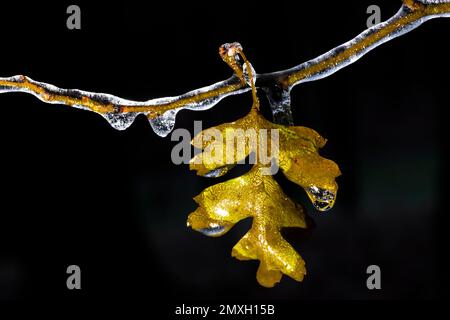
point(256, 194)
point(297, 155)
point(260, 197)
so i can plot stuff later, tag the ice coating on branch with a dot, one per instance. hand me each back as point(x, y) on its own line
point(247, 75)
point(165, 123)
point(356, 42)
point(433, 1)
point(120, 113)
point(109, 106)
point(54, 95)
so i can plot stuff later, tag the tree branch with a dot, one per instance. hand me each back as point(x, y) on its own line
point(162, 112)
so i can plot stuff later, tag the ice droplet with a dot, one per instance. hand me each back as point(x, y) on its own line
point(322, 199)
point(280, 104)
point(218, 172)
point(215, 229)
point(120, 121)
point(165, 123)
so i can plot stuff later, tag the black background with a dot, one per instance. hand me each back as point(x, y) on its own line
point(76, 191)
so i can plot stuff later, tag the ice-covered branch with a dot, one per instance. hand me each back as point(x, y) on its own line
point(121, 113)
point(411, 15)
point(162, 112)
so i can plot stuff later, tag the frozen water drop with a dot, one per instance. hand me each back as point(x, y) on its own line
point(218, 172)
point(120, 121)
point(215, 229)
point(280, 104)
point(165, 123)
point(322, 199)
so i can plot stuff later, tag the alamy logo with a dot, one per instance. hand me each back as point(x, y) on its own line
point(231, 147)
point(74, 20)
point(375, 15)
point(374, 280)
point(74, 280)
